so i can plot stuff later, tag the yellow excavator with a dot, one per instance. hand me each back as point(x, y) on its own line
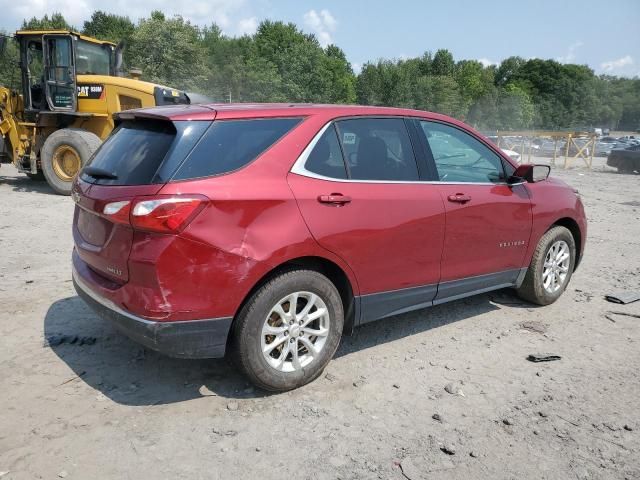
point(71, 87)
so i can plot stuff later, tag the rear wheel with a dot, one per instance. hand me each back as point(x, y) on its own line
point(63, 154)
point(551, 267)
point(288, 331)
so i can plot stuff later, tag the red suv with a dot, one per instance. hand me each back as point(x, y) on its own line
point(268, 231)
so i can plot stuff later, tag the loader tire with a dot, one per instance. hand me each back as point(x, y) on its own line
point(64, 153)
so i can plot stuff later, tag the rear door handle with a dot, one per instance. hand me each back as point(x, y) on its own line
point(459, 198)
point(334, 199)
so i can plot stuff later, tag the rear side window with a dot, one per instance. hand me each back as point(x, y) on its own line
point(326, 157)
point(231, 144)
point(378, 149)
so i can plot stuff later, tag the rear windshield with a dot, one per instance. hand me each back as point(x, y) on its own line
point(231, 144)
point(142, 151)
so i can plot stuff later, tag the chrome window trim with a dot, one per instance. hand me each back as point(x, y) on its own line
point(299, 168)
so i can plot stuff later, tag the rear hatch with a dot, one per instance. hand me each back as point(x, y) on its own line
point(136, 160)
point(119, 192)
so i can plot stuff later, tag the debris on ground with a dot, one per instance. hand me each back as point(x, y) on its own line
point(534, 326)
point(331, 377)
point(624, 314)
point(437, 417)
point(232, 406)
point(55, 340)
point(454, 388)
point(623, 297)
point(543, 357)
point(206, 392)
point(360, 382)
point(448, 449)
point(408, 469)
point(73, 378)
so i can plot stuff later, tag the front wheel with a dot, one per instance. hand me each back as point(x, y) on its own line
point(288, 330)
point(551, 267)
point(63, 154)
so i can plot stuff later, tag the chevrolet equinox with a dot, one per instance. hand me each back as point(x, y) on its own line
point(265, 232)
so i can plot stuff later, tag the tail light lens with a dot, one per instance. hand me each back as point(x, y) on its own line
point(163, 214)
point(117, 212)
point(166, 214)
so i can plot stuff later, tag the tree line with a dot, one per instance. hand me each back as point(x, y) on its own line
point(281, 63)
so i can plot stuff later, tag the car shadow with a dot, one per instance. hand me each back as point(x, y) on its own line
point(129, 374)
point(23, 183)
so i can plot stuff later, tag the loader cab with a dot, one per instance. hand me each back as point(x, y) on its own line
point(50, 62)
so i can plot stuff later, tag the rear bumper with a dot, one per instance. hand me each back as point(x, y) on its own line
point(184, 339)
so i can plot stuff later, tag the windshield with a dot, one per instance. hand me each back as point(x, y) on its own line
point(92, 58)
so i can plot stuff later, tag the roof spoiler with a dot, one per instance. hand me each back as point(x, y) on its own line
point(169, 112)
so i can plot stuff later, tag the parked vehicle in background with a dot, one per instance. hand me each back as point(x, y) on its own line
point(266, 231)
point(515, 156)
point(604, 147)
point(626, 160)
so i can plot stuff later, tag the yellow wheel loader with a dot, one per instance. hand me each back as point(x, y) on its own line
point(71, 87)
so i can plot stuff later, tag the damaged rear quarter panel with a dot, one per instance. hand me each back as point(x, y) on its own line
point(251, 226)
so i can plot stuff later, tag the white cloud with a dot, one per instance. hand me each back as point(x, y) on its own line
point(571, 53)
point(247, 26)
point(612, 66)
point(323, 25)
point(357, 68)
point(486, 62)
point(200, 12)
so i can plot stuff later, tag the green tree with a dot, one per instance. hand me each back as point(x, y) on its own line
point(107, 26)
point(443, 63)
point(9, 69)
point(169, 51)
point(55, 22)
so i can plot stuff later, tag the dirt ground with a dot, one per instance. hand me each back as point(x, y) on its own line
point(113, 410)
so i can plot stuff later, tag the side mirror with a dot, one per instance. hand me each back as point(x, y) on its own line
point(529, 173)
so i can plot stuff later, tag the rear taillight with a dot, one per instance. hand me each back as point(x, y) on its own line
point(164, 214)
point(117, 211)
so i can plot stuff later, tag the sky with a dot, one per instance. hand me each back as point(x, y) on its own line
point(602, 34)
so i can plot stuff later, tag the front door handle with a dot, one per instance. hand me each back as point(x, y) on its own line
point(334, 199)
point(459, 198)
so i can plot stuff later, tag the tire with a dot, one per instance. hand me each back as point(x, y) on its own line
point(248, 338)
point(80, 144)
point(533, 287)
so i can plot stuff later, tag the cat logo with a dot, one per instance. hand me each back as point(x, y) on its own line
point(91, 91)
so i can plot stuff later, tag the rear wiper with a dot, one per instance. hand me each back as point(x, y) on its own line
point(97, 172)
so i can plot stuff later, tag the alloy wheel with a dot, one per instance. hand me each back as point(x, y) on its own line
point(295, 331)
point(556, 266)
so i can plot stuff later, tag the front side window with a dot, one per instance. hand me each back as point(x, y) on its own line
point(92, 58)
point(377, 149)
point(459, 157)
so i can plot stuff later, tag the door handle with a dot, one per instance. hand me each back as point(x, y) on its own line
point(459, 198)
point(334, 199)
